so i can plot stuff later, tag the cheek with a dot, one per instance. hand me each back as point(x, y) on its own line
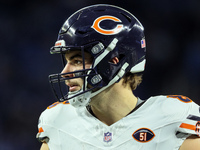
point(78, 81)
point(87, 66)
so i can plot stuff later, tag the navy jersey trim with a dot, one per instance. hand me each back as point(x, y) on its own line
point(193, 117)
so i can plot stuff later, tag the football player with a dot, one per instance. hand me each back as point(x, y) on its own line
point(103, 50)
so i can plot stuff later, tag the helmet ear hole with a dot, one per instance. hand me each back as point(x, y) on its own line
point(114, 60)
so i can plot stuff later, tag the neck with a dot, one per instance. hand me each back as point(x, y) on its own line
point(113, 104)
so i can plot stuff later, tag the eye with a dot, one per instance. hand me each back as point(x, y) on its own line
point(77, 62)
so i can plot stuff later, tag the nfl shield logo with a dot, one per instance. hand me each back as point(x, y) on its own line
point(107, 137)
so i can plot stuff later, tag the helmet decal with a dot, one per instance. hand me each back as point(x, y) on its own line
point(97, 27)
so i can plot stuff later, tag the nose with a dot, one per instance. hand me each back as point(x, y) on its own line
point(67, 69)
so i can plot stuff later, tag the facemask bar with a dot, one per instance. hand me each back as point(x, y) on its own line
point(83, 58)
point(55, 79)
point(58, 79)
point(63, 49)
point(63, 60)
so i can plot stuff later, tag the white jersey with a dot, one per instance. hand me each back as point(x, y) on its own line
point(159, 123)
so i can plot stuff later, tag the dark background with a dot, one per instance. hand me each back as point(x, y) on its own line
point(29, 28)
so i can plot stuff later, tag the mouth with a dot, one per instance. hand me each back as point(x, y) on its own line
point(73, 87)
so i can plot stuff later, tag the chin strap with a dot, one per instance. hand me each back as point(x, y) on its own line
point(114, 80)
point(85, 98)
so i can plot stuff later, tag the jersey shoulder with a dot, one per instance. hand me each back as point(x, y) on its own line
point(172, 105)
point(170, 102)
point(53, 118)
point(57, 111)
point(179, 109)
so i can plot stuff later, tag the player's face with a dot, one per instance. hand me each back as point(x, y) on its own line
point(75, 63)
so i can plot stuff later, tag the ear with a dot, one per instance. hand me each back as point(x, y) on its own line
point(114, 60)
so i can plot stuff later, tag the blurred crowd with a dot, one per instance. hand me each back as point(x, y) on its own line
point(29, 28)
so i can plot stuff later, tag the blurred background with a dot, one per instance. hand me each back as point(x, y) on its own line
point(29, 28)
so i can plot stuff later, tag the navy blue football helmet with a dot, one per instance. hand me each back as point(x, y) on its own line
point(104, 31)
